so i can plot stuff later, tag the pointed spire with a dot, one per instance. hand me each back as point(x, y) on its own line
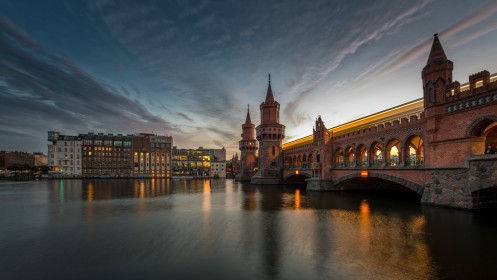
point(437, 53)
point(248, 121)
point(269, 94)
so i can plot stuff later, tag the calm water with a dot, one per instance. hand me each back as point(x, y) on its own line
point(196, 229)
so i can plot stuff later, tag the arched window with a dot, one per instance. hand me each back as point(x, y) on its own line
point(393, 152)
point(273, 152)
point(414, 151)
point(363, 155)
point(376, 155)
point(485, 129)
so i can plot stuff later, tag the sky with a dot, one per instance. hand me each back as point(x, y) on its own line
point(189, 69)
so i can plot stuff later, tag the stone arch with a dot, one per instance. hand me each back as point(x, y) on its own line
point(376, 152)
point(414, 151)
point(393, 152)
point(294, 178)
point(484, 128)
point(419, 189)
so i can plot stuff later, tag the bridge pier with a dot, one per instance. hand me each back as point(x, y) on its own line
point(319, 184)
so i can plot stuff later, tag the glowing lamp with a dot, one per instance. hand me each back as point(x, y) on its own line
point(364, 173)
point(296, 172)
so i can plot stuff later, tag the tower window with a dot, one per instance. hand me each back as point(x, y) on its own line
point(273, 150)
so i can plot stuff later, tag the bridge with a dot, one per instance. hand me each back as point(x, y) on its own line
point(434, 146)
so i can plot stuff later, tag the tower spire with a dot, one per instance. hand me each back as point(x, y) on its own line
point(437, 53)
point(269, 94)
point(248, 121)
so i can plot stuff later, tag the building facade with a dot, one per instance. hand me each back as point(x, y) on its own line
point(15, 158)
point(152, 155)
point(64, 154)
point(106, 155)
point(99, 155)
point(198, 163)
point(218, 169)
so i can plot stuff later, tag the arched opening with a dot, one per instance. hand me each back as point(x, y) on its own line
point(339, 162)
point(372, 183)
point(349, 157)
point(393, 153)
point(294, 162)
point(362, 152)
point(297, 179)
point(287, 162)
point(299, 161)
point(305, 164)
point(485, 129)
point(415, 151)
point(273, 150)
point(309, 159)
point(376, 153)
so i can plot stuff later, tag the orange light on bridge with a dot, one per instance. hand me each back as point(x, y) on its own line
point(364, 173)
point(296, 172)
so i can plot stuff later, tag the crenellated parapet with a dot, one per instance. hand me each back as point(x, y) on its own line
point(481, 89)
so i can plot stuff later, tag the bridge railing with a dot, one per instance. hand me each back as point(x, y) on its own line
point(414, 161)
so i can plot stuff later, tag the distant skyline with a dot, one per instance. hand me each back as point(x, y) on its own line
point(188, 69)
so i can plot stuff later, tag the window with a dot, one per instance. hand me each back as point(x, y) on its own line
point(273, 152)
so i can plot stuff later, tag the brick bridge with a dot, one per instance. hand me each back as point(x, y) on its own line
point(434, 146)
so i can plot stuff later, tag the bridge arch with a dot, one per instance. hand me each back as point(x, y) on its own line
point(414, 150)
point(486, 128)
point(299, 178)
point(393, 152)
point(349, 156)
point(417, 188)
point(376, 152)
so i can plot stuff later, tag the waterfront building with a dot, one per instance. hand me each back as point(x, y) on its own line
point(248, 147)
point(99, 155)
point(152, 155)
point(192, 163)
point(198, 163)
point(12, 159)
point(64, 154)
point(270, 133)
point(106, 155)
point(40, 159)
point(218, 169)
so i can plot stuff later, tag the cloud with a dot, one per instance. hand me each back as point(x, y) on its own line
point(41, 91)
point(184, 116)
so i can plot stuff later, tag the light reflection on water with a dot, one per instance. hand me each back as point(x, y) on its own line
point(187, 229)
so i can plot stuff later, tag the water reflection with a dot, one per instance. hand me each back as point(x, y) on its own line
point(184, 229)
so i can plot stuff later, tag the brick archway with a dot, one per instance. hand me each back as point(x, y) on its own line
point(419, 189)
point(479, 124)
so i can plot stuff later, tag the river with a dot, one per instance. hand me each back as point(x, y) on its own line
point(221, 229)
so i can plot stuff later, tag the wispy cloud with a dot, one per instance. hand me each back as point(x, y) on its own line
point(41, 91)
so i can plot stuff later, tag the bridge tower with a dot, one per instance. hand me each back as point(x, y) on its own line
point(270, 133)
point(320, 139)
point(248, 147)
point(436, 75)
